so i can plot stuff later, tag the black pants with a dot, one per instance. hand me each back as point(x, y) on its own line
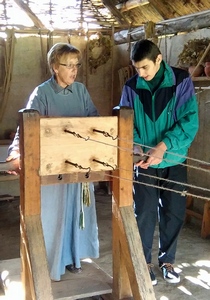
point(169, 207)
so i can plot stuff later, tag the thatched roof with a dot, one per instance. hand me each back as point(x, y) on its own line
point(121, 15)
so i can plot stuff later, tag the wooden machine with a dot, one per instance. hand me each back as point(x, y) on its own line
point(66, 150)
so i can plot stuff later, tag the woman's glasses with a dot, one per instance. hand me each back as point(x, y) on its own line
point(71, 66)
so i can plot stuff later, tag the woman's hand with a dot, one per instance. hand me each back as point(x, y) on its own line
point(14, 158)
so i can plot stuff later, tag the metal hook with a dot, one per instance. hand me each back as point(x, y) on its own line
point(87, 175)
point(103, 163)
point(105, 133)
point(76, 134)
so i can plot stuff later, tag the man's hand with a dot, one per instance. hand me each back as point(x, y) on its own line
point(155, 156)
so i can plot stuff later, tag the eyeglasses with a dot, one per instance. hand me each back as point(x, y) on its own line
point(71, 66)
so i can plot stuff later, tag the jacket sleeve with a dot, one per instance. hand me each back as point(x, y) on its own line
point(186, 117)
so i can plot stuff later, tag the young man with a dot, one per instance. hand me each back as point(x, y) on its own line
point(165, 124)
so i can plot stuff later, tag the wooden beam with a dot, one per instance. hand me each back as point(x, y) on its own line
point(122, 196)
point(130, 4)
point(30, 191)
point(133, 256)
point(123, 189)
point(130, 271)
point(111, 7)
point(75, 177)
point(174, 26)
point(38, 266)
point(30, 13)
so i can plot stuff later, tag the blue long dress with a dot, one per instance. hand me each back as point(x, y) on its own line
point(65, 242)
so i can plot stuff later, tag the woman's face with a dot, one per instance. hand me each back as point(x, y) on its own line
point(66, 70)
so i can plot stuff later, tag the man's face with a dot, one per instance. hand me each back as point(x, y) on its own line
point(146, 68)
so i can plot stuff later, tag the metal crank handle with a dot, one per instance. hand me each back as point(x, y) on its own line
point(137, 158)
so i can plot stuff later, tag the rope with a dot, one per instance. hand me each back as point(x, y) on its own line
point(183, 193)
point(171, 181)
point(167, 160)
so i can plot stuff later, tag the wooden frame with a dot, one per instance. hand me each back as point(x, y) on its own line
point(130, 273)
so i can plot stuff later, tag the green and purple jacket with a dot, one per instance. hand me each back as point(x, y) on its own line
point(170, 114)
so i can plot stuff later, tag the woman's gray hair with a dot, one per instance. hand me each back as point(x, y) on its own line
point(59, 50)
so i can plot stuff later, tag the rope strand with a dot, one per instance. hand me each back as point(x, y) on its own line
point(184, 193)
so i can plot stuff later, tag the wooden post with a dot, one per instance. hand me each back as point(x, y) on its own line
point(35, 275)
point(122, 196)
point(130, 272)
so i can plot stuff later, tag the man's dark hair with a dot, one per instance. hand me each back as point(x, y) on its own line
point(144, 49)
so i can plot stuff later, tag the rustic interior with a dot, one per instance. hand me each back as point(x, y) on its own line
point(104, 31)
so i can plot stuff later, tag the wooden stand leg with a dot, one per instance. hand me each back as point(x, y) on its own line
point(35, 274)
point(205, 230)
point(130, 273)
point(25, 272)
point(189, 206)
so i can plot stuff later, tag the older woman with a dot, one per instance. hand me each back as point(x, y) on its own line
point(66, 242)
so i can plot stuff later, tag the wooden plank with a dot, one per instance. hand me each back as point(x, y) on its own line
point(136, 266)
point(121, 284)
point(75, 177)
point(123, 185)
point(80, 148)
point(37, 258)
point(92, 281)
point(26, 274)
point(29, 188)
point(30, 162)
